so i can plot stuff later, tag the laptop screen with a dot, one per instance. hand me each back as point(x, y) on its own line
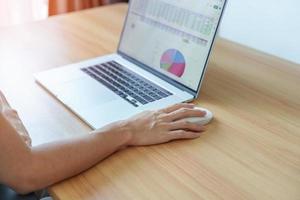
point(172, 36)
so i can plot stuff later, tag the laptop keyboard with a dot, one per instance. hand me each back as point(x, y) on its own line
point(127, 84)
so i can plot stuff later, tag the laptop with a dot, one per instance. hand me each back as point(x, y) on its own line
point(160, 61)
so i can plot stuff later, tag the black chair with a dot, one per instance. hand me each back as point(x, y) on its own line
point(8, 194)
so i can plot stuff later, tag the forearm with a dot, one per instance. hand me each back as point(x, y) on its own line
point(49, 161)
point(27, 169)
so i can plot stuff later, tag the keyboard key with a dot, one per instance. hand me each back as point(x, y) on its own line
point(125, 83)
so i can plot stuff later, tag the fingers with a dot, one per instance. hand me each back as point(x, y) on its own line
point(177, 106)
point(182, 134)
point(25, 138)
point(184, 125)
point(11, 113)
point(185, 113)
point(3, 100)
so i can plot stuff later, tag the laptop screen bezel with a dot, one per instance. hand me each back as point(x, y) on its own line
point(156, 72)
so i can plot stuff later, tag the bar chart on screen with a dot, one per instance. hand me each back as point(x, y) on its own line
point(189, 25)
point(172, 36)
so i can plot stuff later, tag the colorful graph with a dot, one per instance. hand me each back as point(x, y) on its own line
point(173, 61)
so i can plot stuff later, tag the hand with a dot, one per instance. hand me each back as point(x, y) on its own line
point(13, 118)
point(154, 127)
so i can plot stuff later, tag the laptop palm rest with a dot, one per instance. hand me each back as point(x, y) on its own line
point(84, 93)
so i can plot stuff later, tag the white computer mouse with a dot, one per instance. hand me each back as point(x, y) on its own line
point(201, 120)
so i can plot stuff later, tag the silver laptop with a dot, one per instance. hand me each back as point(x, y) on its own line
point(161, 60)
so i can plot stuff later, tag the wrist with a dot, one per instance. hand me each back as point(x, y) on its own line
point(119, 133)
point(125, 131)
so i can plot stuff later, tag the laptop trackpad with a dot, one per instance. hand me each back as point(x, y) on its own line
point(84, 93)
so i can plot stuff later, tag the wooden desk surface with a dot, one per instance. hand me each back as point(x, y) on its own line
point(250, 151)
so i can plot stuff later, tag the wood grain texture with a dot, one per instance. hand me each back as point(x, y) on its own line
point(250, 151)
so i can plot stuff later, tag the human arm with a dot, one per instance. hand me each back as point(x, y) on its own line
point(26, 168)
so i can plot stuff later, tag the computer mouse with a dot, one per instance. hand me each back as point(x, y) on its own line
point(201, 120)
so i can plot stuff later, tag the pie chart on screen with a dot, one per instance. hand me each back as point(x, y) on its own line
point(173, 61)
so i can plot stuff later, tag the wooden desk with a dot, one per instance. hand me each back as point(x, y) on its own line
point(250, 151)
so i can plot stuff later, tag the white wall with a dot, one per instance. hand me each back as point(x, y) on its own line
point(272, 26)
point(19, 11)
